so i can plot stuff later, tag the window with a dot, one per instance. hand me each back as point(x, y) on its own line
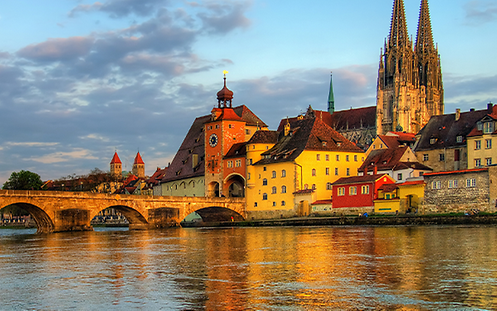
point(488, 161)
point(477, 162)
point(255, 204)
point(313, 186)
point(264, 182)
point(459, 139)
point(306, 186)
point(477, 144)
point(329, 186)
point(273, 190)
point(387, 196)
point(250, 161)
point(238, 163)
point(248, 176)
point(336, 171)
point(229, 125)
point(488, 127)
point(488, 143)
point(348, 171)
point(353, 190)
point(283, 203)
point(264, 196)
point(399, 176)
point(365, 190)
point(264, 168)
point(318, 157)
point(425, 157)
point(283, 173)
point(327, 170)
point(441, 157)
point(436, 184)
point(355, 158)
point(313, 172)
point(347, 158)
point(338, 157)
point(433, 141)
point(217, 126)
point(327, 157)
point(273, 174)
point(470, 183)
point(341, 191)
point(274, 203)
point(283, 189)
point(452, 184)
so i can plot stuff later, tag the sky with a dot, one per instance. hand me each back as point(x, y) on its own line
point(81, 79)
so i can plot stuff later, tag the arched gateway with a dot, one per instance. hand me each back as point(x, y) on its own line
point(72, 211)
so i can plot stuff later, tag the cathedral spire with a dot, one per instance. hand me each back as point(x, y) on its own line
point(424, 39)
point(331, 97)
point(398, 29)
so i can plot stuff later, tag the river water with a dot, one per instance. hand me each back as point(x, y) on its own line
point(284, 268)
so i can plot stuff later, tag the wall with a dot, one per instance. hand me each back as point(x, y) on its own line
point(190, 187)
point(483, 153)
point(449, 164)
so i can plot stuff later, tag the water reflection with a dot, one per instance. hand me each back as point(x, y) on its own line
point(395, 268)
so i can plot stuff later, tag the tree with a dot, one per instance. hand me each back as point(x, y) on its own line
point(23, 180)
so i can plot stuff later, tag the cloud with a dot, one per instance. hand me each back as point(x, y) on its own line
point(222, 18)
point(60, 49)
point(30, 144)
point(120, 8)
point(479, 11)
point(57, 157)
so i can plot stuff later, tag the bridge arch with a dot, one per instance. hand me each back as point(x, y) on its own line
point(235, 185)
point(43, 221)
point(218, 214)
point(133, 216)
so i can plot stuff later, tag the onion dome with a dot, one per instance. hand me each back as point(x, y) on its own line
point(225, 96)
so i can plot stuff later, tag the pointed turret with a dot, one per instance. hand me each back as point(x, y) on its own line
point(424, 39)
point(398, 28)
point(331, 97)
point(138, 166)
point(225, 96)
point(116, 169)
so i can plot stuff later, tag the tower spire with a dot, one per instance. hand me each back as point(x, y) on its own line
point(225, 96)
point(398, 29)
point(424, 39)
point(331, 97)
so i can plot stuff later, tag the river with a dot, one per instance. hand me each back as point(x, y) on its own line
point(284, 268)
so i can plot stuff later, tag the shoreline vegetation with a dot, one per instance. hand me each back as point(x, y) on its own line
point(372, 220)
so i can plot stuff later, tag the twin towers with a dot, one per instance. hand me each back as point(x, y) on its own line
point(410, 88)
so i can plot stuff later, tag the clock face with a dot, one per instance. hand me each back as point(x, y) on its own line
point(213, 140)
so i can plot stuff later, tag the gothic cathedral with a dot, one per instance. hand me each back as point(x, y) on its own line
point(410, 88)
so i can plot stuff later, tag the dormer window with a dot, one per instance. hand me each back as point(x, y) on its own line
point(488, 127)
point(479, 126)
point(433, 140)
point(459, 139)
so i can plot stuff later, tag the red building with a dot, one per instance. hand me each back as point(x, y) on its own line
point(358, 191)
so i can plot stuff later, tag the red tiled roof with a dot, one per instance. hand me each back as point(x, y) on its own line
point(304, 191)
point(358, 179)
point(138, 159)
point(457, 172)
point(115, 159)
point(322, 202)
point(264, 137)
point(388, 187)
point(238, 150)
point(383, 159)
point(411, 183)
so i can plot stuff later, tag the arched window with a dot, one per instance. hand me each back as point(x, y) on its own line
point(273, 190)
point(313, 172)
point(264, 182)
point(283, 203)
point(313, 186)
point(273, 174)
point(283, 173)
point(264, 196)
point(328, 186)
point(283, 189)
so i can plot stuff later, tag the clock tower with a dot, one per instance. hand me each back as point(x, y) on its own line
point(224, 129)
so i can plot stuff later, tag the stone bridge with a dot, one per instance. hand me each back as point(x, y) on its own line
point(55, 211)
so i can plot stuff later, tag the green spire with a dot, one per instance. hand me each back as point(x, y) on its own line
point(331, 97)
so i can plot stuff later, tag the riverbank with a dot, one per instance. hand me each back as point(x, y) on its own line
point(404, 220)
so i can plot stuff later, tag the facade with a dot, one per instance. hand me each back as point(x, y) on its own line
point(442, 143)
point(401, 198)
point(290, 169)
point(410, 88)
point(356, 194)
point(461, 191)
point(482, 141)
point(209, 162)
point(392, 140)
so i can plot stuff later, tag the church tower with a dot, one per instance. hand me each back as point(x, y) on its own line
point(409, 89)
point(116, 167)
point(138, 166)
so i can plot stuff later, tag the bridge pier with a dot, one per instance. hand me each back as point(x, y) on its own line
point(72, 220)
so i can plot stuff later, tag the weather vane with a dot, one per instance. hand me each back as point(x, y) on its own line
point(225, 72)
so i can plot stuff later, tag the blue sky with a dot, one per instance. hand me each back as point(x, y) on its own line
point(80, 79)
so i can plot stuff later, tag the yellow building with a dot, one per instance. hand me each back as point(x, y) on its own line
point(400, 198)
point(290, 169)
point(482, 141)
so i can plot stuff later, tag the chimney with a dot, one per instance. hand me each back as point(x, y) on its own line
point(490, 108)
point(365, 170)
point(375, 170)
point(458, 114)
point(472, 109)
